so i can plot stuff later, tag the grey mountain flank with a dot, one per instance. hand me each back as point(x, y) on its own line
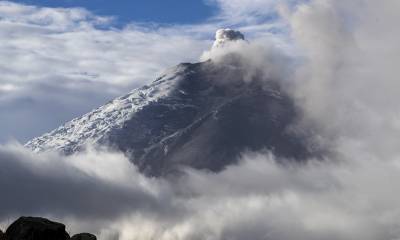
point(201, 115)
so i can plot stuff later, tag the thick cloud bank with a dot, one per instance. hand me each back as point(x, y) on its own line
point(102, 192)
point(344, 78)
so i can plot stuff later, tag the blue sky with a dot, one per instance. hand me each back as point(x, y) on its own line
point(160, 11)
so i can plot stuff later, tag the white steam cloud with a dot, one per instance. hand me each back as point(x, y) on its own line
point(223, 36)
point(349, 81)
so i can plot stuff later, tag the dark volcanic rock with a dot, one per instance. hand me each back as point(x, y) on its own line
point(2, 235)
point(208, 120)
point(32, 228)
point(84, 236)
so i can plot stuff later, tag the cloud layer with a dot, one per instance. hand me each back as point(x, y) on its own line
point(256, 199)
point(58, 63)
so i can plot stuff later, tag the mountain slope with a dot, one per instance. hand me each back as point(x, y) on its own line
point(200, 115)
point(94, 126)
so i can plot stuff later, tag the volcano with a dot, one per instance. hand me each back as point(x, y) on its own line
point(200, 115)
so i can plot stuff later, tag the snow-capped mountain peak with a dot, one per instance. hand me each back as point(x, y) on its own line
point(200, 115)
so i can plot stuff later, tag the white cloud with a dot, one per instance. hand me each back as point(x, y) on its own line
point(351, 199)
point(58, 63)
point(349, 80)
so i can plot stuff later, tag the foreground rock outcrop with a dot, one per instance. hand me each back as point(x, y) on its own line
point(30, 228)
point(83, 236)
point(36, 228)
point(2, 235)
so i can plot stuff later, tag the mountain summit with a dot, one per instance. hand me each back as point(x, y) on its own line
point(201, 115)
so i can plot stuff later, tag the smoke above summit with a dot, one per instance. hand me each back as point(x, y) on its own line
point(222, 36)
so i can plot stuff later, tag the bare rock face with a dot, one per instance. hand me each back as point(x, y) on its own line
point(84, 236)
point(33, 228)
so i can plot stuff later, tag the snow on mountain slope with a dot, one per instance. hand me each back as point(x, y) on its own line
point(93, 126)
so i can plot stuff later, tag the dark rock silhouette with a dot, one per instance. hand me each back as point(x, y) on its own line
point(2, 235)
point(33, 228)
point(36, 228)
point(84, 236)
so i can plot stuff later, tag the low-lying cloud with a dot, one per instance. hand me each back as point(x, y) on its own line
point(82, 186)
point(258, 198)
